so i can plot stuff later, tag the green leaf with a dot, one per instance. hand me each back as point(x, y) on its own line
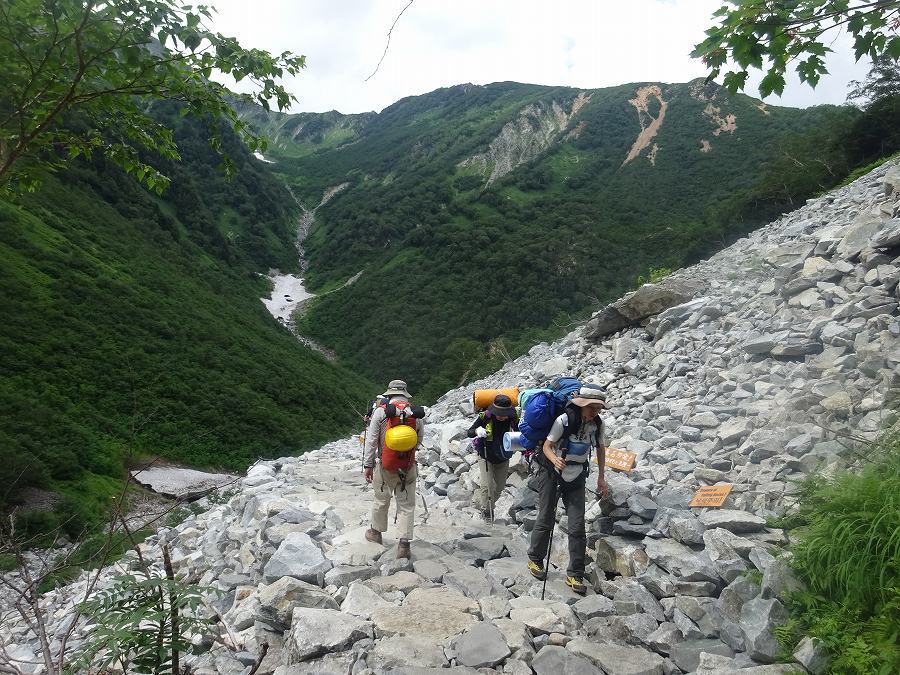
point(773, 82)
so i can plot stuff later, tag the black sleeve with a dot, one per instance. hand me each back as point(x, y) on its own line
point(479, 422)
point(514, 424)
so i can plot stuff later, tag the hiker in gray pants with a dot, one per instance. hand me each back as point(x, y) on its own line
point(563, 466)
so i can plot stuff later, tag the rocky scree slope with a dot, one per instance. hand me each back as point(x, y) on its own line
point(748, 368)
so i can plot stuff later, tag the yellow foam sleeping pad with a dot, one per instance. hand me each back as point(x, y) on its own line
point(401, 438)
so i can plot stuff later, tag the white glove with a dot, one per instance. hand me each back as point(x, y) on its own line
point(481, 432)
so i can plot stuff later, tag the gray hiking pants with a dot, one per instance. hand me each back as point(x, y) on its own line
point(493, 480)
point(551, 489)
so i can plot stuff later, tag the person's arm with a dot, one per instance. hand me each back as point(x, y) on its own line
point(479, 422)
point(556, 432)
point(373, 438)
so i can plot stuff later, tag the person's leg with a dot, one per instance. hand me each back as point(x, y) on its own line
point(573, 497)
point(481, 494)
point(381, 492)
point(406, 504)
point(499, 473)
point(547, 497)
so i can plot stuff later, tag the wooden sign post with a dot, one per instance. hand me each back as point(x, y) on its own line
point(620, 460)
point(710, 495)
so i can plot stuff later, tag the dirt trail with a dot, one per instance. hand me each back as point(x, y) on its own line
point(649, 124)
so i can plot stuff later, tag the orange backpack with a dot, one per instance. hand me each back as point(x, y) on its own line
point(391, 460)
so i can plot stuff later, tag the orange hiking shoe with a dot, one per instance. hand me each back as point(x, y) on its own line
point(576, 585)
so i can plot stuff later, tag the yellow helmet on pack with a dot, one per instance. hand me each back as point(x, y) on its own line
point(401, 438)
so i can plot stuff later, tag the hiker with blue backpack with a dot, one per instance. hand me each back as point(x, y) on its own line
point(563, 459)
point(487, 431)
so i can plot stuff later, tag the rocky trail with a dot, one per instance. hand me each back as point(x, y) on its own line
point(751, 368)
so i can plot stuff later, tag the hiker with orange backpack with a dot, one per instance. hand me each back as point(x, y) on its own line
point(394, 433)
point(487, 433)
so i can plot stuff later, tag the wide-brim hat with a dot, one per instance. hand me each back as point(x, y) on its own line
point(396, 388)
point(590, 394)
point(502, 406)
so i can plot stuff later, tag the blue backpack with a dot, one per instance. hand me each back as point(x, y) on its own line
point(540, 407)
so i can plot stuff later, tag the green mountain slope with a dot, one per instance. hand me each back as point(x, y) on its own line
point(482, 212)
point(133, 324)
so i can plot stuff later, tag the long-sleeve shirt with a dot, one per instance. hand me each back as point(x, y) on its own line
point(378, 427)
point(492, 449)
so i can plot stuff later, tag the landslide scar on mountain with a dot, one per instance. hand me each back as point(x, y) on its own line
point(727, 123)
point(538, 125)
point(649, 124)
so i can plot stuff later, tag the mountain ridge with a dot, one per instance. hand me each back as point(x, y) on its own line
point(522, 182)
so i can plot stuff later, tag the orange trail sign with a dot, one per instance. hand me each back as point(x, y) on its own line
point(710, 495)
point(620, 460)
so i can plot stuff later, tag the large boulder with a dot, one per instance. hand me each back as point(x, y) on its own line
point(437, 613)
point(404, 651)
point(278, 600)
point(759, 618)
point(319, 631)
point(646, 301)
point(300, 557)
point(553, 660)
point(618, 659)
point(482, 646)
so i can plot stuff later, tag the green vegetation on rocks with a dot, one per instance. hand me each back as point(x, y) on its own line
point(848, 557)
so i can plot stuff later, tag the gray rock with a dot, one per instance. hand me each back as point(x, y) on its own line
point(680, 561)
point(619, 555)
point(482, 646)
point(715, 664)
point(593, 606)
point(473, 582)
point(278, 600)
point(618, 659)
point(361, 601)
point(300, 557)
point(344, 575)
point(811, 654)
point(664, 638)
point(437, 613)
point(560, 661)
point(395, 652)
point(642, 506)
point(686, 654)
point(649, 299)
point(319, 631)
point(479, 550)
point(759, 618)
point(733, 520)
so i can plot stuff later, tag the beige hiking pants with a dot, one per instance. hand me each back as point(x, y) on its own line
point(493, 480)
point(386, 484)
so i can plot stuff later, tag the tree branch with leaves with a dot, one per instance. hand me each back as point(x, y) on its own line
point(772, 35)
point(77, 76)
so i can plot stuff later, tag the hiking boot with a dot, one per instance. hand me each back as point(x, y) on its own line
point(373, 535)
point(576, 585)
point(403, 548)
point(537, 570)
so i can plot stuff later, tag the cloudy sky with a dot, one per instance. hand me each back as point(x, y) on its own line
point(438, 43)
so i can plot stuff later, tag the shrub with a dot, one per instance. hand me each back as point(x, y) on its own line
point(848, 556)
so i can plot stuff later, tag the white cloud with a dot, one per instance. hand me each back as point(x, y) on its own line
point(578, 43)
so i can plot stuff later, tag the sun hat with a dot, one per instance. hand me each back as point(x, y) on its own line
point(396, 388)
point(590, 394)
point(502, 406)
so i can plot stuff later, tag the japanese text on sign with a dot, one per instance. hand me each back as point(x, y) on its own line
point(621, 460)
point(711, 495)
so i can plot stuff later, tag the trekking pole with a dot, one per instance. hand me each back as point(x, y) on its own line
point(490, 492)
point(558, 480)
